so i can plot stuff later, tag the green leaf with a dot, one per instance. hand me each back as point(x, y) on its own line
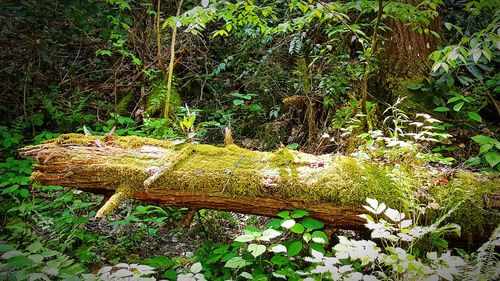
point(246, 275)
point(294, 248)
point(10, 254)
point(485, 148)
point(19, 261)
point(474, 42)
point(458, 106)
point(274, 223)
point(319, 237)
point(299, 214)
point(159, 262)
point(441, 109)
point(312, 224)
point(256, 250)
point(24, 193)
point(279, 260)
point(493, 158)
point(297, 228)
point(170, 274)
point(483, 139)
point(244, 238)
point(6, 248)
point(35, 247)
point(474, 161)
point(439, 242)
point(37, 276)
point(474, 116)
point(284, 214)
point(415, 87)
point(238, 102)
point(455, 99)
point(317, 247)
point(236, 263)
point(73, 270)
point(487, 52)
point(36, 258)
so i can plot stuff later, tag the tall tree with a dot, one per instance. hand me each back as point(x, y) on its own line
point(405, 51)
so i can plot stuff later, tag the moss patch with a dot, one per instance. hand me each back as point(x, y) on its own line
point(470, 189)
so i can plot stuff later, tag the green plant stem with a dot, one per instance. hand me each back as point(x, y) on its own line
point(171, 63)
point(367, 72)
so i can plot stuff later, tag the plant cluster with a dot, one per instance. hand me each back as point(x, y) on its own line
point(292, 248)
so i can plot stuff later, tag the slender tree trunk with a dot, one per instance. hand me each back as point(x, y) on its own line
point(170, 72)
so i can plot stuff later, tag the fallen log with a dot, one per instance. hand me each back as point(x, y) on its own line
point(331, 187)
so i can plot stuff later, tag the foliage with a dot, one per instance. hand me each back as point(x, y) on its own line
point(405, 139)
point(63, 218)
point(92, 66)
point(447, 99)
point(392, 254)
point(489, 152)
point(37, 263)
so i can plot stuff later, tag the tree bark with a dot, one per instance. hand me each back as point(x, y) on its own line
point(406, 51)
point(404, 55)
point(331, 187)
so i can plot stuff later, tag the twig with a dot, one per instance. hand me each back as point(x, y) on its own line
point(230, 173)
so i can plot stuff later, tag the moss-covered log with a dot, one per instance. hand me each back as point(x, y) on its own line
point(332, 187)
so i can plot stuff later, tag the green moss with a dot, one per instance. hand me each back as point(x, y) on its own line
point(348, 181)
point(156, 101)
point(124, 103)
point(235, 171)
point(469, 190)
point(398, 87)
point(282, 157)
point(123, 141)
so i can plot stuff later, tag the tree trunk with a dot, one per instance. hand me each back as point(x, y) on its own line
point(404, 58)
point(331, 187)
point(407, 51)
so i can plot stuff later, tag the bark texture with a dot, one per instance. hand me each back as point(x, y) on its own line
point(406, 51)
point(331, 187)
point(404, 56)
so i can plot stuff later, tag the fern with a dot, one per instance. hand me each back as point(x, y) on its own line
point(156, 101)
point(488, 261)
point(296, 45)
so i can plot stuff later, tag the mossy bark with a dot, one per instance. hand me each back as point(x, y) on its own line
point(332, 187)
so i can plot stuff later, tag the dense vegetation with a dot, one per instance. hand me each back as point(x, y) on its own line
point(403, 82)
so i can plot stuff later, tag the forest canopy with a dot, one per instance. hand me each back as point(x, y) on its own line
point(309, 112)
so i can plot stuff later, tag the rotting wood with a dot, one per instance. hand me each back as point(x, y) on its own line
point(331, 187)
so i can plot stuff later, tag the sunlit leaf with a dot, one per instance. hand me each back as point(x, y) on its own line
point(196, 268)
point(236, 262)
point(288, 223)
point(256, 249)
